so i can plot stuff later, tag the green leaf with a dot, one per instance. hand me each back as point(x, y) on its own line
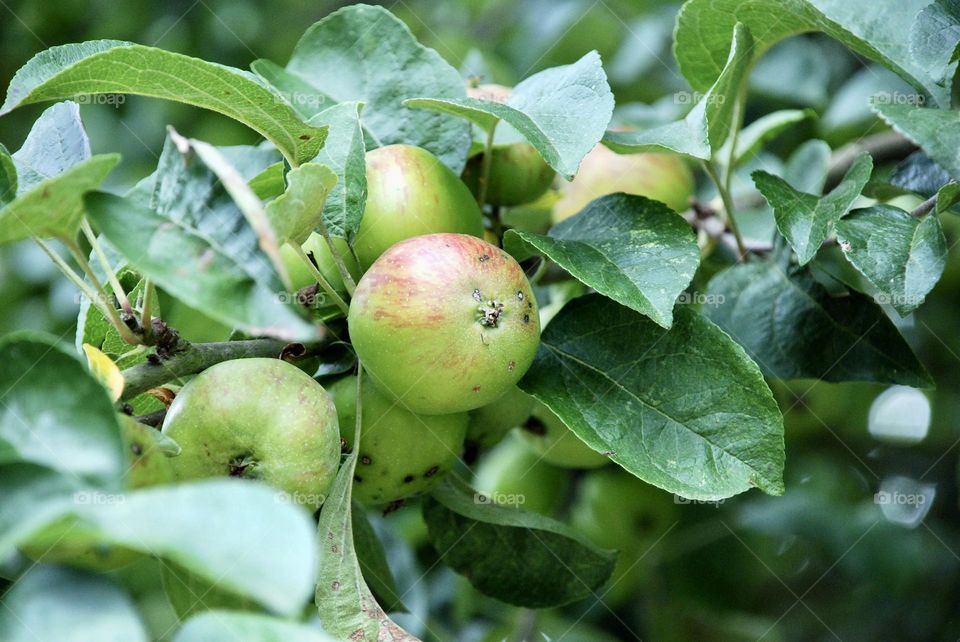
point(562, 111)
point(794, 329)
point(294, 214)
point(806, 220)
point(345, 153)
point(55, 414)
point(806, 169)
point(118, 67)
point(947, 197)
point(366, 54)
point(919, 174)
point(373, 562)
point(632, 249)
point(186, 190)
point(706, 128)
point(306, 99)
point(521, 558)
point(203, 527)
point(224, 626)
point(933, 41)
point(752, 137)
point(702, 37)
point(8, 177)
point(52, 171)
point(901, 255)
point(346, 605)
point(194, 269)
point(270, 182)
point(56, 603)
point(684, 409)
point(936, 131)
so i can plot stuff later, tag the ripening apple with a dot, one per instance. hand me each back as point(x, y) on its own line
point(444, 323)
point(410, 192)
point(402, 454)
point(549, 437)
point(659, 176)
point(148, 464)
point(518, 173)
point(257, 419)
point(512, 474)
point(489, 424)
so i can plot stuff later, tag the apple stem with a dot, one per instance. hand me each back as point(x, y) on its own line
point(197, 357)
point(331, 292)
point(94, 292)
point(485, 164)
point(146, 310)
point(729, 217)
point(348, 281)
point(107, 268)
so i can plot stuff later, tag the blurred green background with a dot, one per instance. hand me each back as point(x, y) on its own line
point(828, 560)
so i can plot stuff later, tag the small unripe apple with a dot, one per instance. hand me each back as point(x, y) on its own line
point(300, 274)
point(402, 454)
point(444, 323)
point(518, 173)
point(618, 511)
point(549, 437)
point(257, 419)
point(410, 192)
point(489, 424)
point(511, 474)
point(148, 460)
point(659, 176)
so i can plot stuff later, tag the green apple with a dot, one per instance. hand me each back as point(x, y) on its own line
point(444, 323)
point(617, 511)
point(511, 474)
point(518, 173)
point(149, 464)
point(660, 176)
point(411, 193)
point(489, 424)
point(257, 419)
point(550, 438)
point(300, 274)
point(402, 454)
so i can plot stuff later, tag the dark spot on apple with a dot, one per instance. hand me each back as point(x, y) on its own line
point(432, 471)
point(526, 318)
point(136, 449)
point(476, 388)
point(511, 365)
point(344, 448)
point(357, 478)
point(365, 460)
point(535, 426)
point(476, 295)
point(519, 296)
point(484, 258)
point(408, 479)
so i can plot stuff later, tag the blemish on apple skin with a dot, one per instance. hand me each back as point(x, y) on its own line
point(511, 365)
point(476, 388)
point(358, 479)
point(408, 479)
point(432, 471)
point(476, 295)
point(484, 258)
point(365, 460)
point(526, 318)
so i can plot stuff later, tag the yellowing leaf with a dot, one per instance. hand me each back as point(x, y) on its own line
point(105, 370)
